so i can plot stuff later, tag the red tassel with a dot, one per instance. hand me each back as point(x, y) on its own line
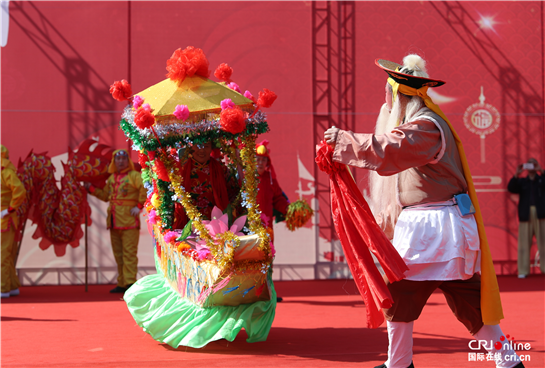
point(259, 290)
point(144, 118)
point(161, 170)
point(223, 72)
point(266, 98)
point(121, 90)
point(232, 120)
point(186, 63)
point(142, 160)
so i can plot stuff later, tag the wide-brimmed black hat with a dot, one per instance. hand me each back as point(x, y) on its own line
point(406, 79)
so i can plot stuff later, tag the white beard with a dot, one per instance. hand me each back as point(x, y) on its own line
point(383, 199)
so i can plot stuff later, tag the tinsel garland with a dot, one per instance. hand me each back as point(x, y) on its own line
point(248, 157)
point(171, 134)
point(225, 261)
point(166, 208)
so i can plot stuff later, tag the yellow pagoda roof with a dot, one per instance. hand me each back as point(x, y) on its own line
point(199, 94)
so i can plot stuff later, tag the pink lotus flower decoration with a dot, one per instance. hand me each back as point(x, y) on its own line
point(227, 104)
point(218, 225)
point(181, 112)
point(137, 101)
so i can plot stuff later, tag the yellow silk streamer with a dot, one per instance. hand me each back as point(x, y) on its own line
point(491, 308)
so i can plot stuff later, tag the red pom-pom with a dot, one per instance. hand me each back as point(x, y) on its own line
point(161, 170)
point(186, 63)
point(121, 90)
point(232, 120)
point(223, 72)
point(266, 98)
point(144, 118)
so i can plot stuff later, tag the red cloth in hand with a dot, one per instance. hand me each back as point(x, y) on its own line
point(359, 234)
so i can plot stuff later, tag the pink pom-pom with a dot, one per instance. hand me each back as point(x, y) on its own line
point(181, 112)
point(234, 87)
point(170, 237)
point(146, 107)
point(249, 96)
point(137, 101)
point(227, 104)
point(152, 217)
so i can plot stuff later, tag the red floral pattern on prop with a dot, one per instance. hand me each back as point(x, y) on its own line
point(187, 63)
point(223, 72)
point(144, 118)
point(360, 236)
point(121, 90)
point(232, 120)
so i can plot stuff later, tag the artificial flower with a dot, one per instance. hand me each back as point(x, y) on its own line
point(181, 112)
point(227, 104)
point(121, 90)
point(137, 101)
point(223, 72)
point(234, 87)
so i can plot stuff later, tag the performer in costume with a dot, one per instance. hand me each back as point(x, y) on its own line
point(270, 196)
point(422, 158)
point(13, 196)
point(209, 184)
point(127, 195)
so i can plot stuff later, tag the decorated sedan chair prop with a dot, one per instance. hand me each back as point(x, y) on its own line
point(196, 142)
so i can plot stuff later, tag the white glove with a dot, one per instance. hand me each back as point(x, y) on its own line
point(4, 213)
point(135, 211)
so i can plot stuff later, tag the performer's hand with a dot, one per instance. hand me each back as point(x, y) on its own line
point(519, 171)
point(538, 168)
point(4, 213)
point(330, 136)
point(135, 211)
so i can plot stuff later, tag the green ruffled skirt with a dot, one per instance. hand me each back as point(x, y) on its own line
point(176, 321)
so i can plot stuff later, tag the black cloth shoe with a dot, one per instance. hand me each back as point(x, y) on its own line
point(279, 299)
point(118, 290)
point(411, 366)
point(520, 365)
point(128, 286)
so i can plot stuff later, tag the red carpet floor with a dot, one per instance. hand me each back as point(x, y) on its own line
point(319, 324)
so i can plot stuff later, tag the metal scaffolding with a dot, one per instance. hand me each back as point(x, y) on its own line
point(333, 102)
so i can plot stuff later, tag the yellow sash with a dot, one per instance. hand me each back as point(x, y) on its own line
point(491, 308)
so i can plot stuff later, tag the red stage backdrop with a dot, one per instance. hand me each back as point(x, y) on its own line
point(318, 57)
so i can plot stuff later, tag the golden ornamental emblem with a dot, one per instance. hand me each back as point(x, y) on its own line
point(482, 119)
